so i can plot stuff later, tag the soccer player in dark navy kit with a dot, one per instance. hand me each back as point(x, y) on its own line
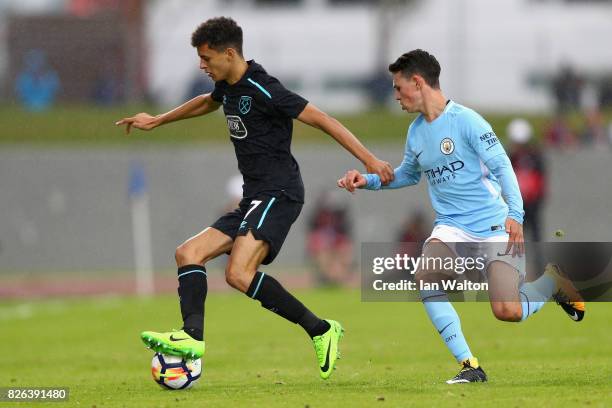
point(259, 112)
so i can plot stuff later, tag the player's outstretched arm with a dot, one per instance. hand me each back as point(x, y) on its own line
point(404, 175)
point(352, 179)
point(313, 116)
point(200, 105)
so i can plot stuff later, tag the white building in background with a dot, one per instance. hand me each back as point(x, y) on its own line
point(492, 52)
point(495, 54)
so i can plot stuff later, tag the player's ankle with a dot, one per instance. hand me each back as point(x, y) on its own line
point(550, 270)
point(321, 328)
point(195, 333)
point(472, 362)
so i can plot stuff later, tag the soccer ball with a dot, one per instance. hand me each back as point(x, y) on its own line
point(175, 373)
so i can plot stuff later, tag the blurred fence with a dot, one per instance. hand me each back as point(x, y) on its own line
point(69, 210)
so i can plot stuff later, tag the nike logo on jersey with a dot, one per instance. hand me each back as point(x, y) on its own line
point(418, 154)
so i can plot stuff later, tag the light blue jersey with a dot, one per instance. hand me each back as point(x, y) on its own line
point(467, 169)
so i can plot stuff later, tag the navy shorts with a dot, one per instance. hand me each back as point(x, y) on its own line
point(268, 216)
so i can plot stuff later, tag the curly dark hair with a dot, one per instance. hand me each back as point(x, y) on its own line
point(219, 33)
point(418, 62)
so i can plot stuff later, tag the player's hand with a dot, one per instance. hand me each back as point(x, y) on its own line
point(352, 179)
point(516, 242)
point(142, 121)
point(383, 169)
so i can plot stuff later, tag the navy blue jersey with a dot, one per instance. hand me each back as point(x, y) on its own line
point(260, 112)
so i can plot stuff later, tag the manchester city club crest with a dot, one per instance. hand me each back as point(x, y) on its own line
point(244, 104)
point(447, 146)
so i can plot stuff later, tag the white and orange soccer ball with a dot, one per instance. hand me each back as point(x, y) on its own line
point(175, 373)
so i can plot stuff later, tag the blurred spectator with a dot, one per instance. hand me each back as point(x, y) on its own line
point(605, 92)
point(379, 87)
point(107, 88)
point(594, 132)
point(415, 231)
point(200, 84)
point(37, 84)
point(529, 166)
point(410, 237)
point(559, 134)
point(233, 188)
point(329, 242)
point(567, 89)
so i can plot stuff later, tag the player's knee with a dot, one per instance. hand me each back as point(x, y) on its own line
point(508, 311)
point(181, 254)
point(185, 254)
point(421, 277)
point(237, 277)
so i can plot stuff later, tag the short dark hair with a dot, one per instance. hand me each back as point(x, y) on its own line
point(219, 33)
point(418, 62)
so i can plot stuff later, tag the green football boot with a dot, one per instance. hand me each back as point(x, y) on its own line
point(326, 347)
point(176, 342)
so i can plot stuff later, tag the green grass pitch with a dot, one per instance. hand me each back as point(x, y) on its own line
point(392, 356)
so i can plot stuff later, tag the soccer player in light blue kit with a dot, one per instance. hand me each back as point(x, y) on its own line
point(476, 197)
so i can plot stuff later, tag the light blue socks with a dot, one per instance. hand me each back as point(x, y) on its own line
point(534, 295)
point(446, 320)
